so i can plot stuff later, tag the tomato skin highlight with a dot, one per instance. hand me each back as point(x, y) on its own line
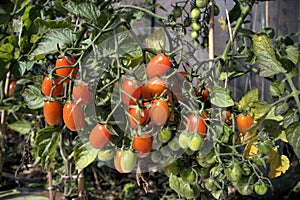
point(243, 123)
point(73, 116)
point(99, 136)
point(47, 86)
point(196, 123)
point(158, 65)
point(53, 112)
point(66, 71)
point(154, 86)
point(133, 88)
point(143, 143)
point(82, 94)
point(159, 112)
point(135, 113)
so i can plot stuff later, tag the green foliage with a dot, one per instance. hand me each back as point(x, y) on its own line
point(84, 154)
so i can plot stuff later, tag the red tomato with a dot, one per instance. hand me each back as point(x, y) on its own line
point(66, 71)
point(159, 112)
point(73, 116)
point(178, 85)
point(143, 143)
point(11, 88)
point(53, 112)
point(154, 86)
point(135, 113)
point(100, 136)
point(158, 65)
point(196, 123)
point(82, 94)
point(243, 123)
point(47, 87)
point(132, 88)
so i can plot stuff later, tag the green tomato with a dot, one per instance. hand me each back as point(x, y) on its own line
point(260, 188)
point(166, 151)
point(201, 3)
point(188, 175)
point(189, 152)
point(216, 10)
point(172, 168)
point(194, 34)
point(156, 156)
point(164, 135)
point(183, 139)
point(210, 185)
point(106, 154)
point(246, 169)
point(265, 147)
point(203, 162)
point(196, 26)
point(215, 171)
point(173, 144)
point(177, 11)
point(244, 185)
point(195, 13)
point(234, 173)
point(187, 22)
point(127, 161)
point(195, 142)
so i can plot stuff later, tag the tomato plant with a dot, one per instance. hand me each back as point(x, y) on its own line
point(53, 112)
point(99, 136)
point(73, 116)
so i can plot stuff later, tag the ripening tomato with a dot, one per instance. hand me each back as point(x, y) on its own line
point(47, 87)
point(132, 88)
point(82, 94)
point(53, 112)
point(159, 112)
point(158, 65)
point(138, 116)
point(117, 161)
point(196, 123)
point(243, 123)
point(226, 117)
point(73, 116)
point(65, 71)
point(11, 88)
point(142, 143)
point(154, 86)
point(127, 161)
point(100, 136)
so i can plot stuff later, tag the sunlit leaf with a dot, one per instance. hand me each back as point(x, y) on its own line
point(265, 56)
point(83, 9)
point(251, 150)
point(293, 136)
point(33, 97)
point(157, 40)
point(292, 54)
point(84, 154)
point(220, 97)
point(279, 164)
point(183, 188)
point(22, 126)
point(248, 99)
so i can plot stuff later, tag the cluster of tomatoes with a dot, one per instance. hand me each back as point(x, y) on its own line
point(54, 86)
point(152, 113)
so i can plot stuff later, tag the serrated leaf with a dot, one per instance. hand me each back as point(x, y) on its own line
point(53, 39)
point(157, 40)
point(33, 97)
point(83, 9)
point(277, 88)
point(279, 164)
point(220, 97)
point(6, 52)
point(265, 56)
point(292, 54)
point(293, 137)
point(46, 142)
point(290, 117)
point(84, 154)
point(273, 116)
point(23, 126)
point(259, 109)
point(46, 25)
point(248, 99)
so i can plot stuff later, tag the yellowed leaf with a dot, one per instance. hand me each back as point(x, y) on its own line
point(279, 164)
point(251, 150)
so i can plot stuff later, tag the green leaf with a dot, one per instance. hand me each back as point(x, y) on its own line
point(84, 154)
point(290, 117)
point(259, 109)
point(230, 75)
point(182, 188)
point(23, 5)
point(46, 25)
point(248, 99)
point(265, 56)
point(30, 14)
point(83, 9)
point(235, 13)
point(33, 97)
point(54, 38)
point(273, 116)
point(46, 142)
point(270, 32)
point(292, 54)
point(23, 126)
point(281, 108)
point(220, 97)
point(6, 53)
point(277, 88)
point(156, 41)
point(293, 136)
